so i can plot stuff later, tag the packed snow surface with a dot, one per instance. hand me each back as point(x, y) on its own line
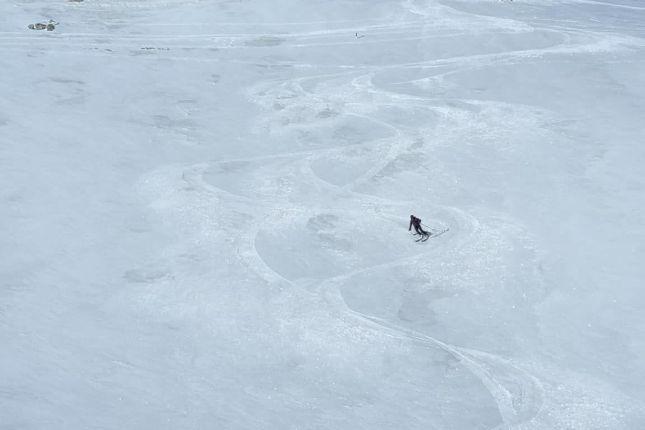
point(204, 208)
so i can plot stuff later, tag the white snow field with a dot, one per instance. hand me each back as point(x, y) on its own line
point(204, 208)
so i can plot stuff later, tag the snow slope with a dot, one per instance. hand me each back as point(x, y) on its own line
point(204, 210)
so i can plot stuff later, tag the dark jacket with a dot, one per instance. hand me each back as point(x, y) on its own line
point(414, 221)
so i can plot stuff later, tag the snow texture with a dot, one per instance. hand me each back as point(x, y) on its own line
point(204, 208)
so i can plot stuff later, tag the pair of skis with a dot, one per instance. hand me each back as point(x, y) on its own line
point(430, 234)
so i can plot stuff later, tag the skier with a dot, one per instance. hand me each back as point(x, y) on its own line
point(416, 223)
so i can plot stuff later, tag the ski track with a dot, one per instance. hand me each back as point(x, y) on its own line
point(519, 395)
point(610, 5)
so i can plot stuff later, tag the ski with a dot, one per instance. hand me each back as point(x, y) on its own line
point(425, 237)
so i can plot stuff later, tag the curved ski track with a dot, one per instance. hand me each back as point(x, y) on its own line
point(518, 393)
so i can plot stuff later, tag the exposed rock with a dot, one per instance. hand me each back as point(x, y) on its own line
point(49, 26)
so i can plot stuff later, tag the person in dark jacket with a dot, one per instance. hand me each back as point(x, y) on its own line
point(416, 223)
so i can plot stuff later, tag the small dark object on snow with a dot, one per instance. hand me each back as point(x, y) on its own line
point(49, 26)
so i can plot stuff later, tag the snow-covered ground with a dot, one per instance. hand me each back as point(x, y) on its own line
point(204, 208)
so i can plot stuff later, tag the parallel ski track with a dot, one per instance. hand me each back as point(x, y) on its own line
point(519, 395)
